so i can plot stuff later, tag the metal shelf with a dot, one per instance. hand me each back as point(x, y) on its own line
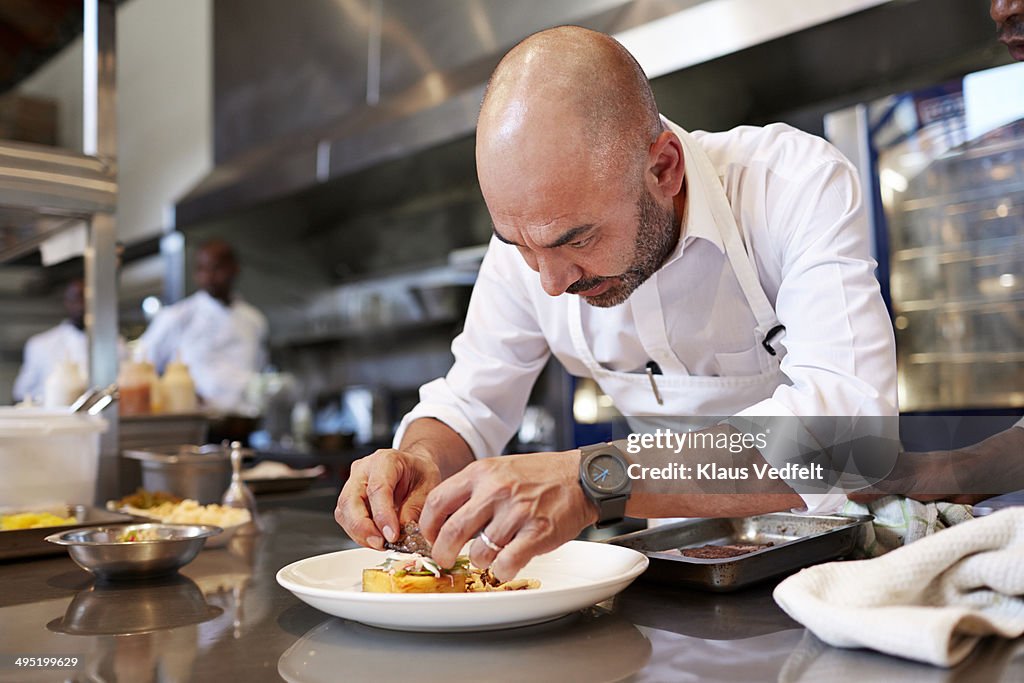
point(957, 305)
point(53, 180)
point(960, 251)
point(967, 357)
point(44, 190)
point(965, 195)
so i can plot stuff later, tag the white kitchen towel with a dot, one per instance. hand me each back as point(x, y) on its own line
point(931, 601)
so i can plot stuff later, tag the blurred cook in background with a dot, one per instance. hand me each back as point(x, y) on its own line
point(220, 338)
point(67, 342)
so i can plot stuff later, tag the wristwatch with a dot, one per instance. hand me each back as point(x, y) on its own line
point(604, 478)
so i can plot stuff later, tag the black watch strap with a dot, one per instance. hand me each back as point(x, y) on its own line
point(610, 511)
point(611, 505)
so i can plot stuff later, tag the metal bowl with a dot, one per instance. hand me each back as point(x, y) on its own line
point(97, 549)
point(201, 473)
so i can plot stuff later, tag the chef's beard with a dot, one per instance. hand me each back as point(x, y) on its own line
point(656, 235)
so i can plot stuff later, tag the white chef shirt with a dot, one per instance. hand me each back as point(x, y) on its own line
point(43, 352)
point(798, 200)
point(223, 346)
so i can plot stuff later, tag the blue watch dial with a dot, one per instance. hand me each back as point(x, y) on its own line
point(605, 473)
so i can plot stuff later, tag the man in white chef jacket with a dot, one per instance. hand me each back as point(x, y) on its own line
point(220, 337)
point(737, 264)
point(66, 341)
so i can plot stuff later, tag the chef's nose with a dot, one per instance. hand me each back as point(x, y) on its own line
point(1002, 10)
point(557, 274)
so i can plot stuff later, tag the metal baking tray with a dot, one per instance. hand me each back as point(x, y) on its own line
point(21, 543)
point(799, 541)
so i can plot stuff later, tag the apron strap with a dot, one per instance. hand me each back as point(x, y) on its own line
point(579, 340)
point(768, 330)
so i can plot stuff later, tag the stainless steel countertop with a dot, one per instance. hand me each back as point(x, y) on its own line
point(226, 619)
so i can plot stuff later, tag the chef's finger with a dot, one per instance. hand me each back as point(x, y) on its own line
point(527, 544)
point(441, 502)
point(353, 514)
point(503, 527)
point(412, 506)
point(380, 492)
point(459, 529)
point(514, 556)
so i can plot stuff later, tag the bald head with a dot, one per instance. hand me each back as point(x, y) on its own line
point(569, 93)
point(575, 167)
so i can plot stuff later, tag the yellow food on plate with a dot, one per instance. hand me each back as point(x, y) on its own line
point(33, 520)
point(414, 573)
point(190, 512)
point(144, 499)
point(380, 581)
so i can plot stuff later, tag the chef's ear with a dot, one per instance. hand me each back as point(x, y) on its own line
point(666, 164)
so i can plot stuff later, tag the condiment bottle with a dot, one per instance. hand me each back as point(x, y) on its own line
point(177, 390)
point(148, 372)
point(134, 388)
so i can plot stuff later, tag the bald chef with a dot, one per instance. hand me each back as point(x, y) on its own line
point(736, 265)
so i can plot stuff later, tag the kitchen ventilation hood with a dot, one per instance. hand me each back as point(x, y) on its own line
point(302, 100)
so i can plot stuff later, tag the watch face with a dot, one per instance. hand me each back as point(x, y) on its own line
point(606, 473)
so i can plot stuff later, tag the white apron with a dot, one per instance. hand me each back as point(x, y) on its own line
point(684, 395)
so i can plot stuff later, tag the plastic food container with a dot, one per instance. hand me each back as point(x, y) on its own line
point(48, 457)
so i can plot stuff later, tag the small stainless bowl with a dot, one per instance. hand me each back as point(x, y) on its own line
point(97, 549)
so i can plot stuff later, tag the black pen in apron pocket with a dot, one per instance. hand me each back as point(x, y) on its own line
point(652, 370)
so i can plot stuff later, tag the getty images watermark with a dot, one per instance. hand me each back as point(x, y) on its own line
point(669, 441)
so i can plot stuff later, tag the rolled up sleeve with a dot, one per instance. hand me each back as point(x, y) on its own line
point(497, 359)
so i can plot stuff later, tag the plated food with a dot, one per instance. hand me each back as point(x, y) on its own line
point(410, 540)
point(575, 575)
point(188, 511)
point(191, 512)
point(414, 573)
point(143, 499)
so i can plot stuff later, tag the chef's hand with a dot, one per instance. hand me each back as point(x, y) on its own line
point(526, 504)
point(384, 491)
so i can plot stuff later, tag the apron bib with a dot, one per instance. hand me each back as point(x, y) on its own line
point(683, 395)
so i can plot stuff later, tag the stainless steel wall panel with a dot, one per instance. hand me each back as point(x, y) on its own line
point(283, 67)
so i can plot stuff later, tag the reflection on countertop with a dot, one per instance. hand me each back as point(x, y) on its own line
point(582, 643)
point(225, 618)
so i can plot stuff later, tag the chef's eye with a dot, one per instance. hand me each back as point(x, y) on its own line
point(579, 244)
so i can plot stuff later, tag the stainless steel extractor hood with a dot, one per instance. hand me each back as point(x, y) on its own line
point(308, 93)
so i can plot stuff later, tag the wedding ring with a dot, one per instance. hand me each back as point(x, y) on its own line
point(489, 543)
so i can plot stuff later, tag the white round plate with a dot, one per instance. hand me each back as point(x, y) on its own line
point(574, 576)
